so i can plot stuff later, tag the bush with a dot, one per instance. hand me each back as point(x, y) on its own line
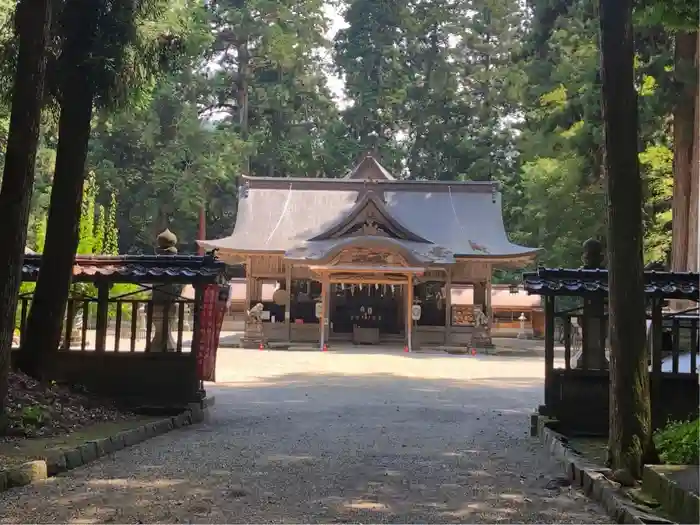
point(678, 442)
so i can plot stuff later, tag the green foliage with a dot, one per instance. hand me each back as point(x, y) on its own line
point(657, 169)
point(164, 164)
point(34, 415)
point(674, 15)
point(558, 199)
point(445, 90)
point(678, 443)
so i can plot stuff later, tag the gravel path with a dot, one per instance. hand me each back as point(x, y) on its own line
point(333, 437)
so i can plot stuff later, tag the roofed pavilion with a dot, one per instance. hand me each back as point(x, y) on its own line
point(353, 254)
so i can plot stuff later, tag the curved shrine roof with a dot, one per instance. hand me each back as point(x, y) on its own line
point(283, 215)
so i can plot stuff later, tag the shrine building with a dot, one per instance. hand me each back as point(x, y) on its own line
point(351, 257)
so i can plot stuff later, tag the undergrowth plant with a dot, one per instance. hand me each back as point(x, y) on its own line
point(678, 442)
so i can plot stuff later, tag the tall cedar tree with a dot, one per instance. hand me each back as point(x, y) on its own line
point(96, 38)
point(33, 23)
point(75, 101)
point(630, 418)
point(683, 134)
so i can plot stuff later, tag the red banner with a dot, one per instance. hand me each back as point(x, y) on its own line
point(211, 317)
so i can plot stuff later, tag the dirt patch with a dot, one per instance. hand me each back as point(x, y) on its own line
point(47, 418)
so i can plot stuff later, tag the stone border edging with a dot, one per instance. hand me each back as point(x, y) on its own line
point(42, 469)
point(682, 505)
point(592, 479)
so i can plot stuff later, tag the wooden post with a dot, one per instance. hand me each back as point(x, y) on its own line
point(196, 332)
point(102, 317)
point(409, 312)
point(248, 283)
point(288, 305)
point(657, 321)
point(324, 308)
point(488, 297)
point(448, 307)
point(549, 315)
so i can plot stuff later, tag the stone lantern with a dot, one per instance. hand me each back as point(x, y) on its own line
point(521, 333)
point(163, 297)
point(594, 325)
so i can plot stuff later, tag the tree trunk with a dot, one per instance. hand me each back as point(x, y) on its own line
point(48, 308)
point(693, 216)
point(683, 124)
point(242, 96)
point(33, 24)
point(630, 418)
point(202, 233)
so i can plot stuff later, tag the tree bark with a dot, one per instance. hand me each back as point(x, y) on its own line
point(202, 230)
point(51, 295)
point(693, 216)
point(683, 124)
point(630, 417)
point(33, 24)
point(242, 95)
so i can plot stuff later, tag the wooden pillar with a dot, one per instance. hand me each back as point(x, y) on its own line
point(324, 309)
point(288, 304)
point(480, 295)
point(488, 296)
point(481, 335)
point(409, 308)
point(549, 314)
point(657, 328)
point(196, 332)
point(448, 307)
point(248, 283)
point(102, 316)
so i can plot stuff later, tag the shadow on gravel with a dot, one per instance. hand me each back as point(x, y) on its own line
point(327, 448)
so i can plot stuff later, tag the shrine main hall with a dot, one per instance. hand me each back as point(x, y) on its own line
point(369, 258)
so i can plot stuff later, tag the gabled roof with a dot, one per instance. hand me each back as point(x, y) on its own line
point(369, 168)
point(281, 214)
point(371, 206)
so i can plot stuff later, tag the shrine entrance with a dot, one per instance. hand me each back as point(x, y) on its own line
point(367, 311)
point(366, 305)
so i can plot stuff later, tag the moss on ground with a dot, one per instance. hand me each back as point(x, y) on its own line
point(17, 451)
point(594, 449)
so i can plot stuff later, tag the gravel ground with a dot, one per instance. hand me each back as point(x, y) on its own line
point(333, 437)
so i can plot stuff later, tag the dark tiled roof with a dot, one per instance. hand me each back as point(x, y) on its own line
point(557, 281)
point(136, 268)
point(277, 214)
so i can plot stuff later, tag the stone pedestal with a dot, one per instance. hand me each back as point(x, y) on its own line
point(594, 336)
point(163, 340)
point(481, 337)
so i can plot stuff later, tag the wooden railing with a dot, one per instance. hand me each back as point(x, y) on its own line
point(679, 338)
point(120, 324)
